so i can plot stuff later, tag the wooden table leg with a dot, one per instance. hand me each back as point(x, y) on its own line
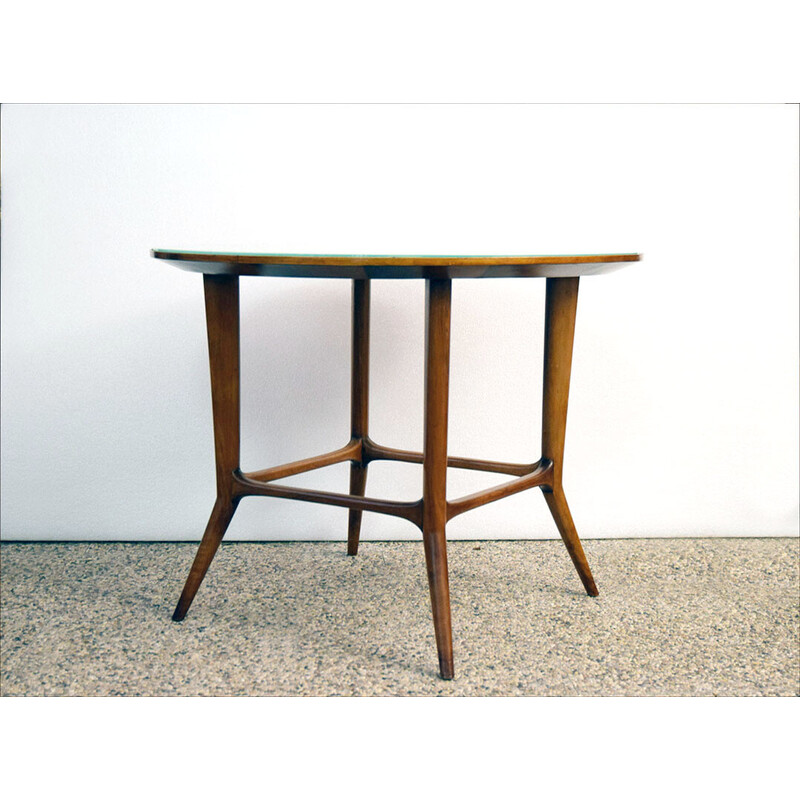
point(359, 403)
point(560, 309)
point(434, 498)
point(222, 322)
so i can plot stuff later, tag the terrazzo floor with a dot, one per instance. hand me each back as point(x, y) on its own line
point(674, 617)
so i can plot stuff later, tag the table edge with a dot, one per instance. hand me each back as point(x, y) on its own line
point(311, 260)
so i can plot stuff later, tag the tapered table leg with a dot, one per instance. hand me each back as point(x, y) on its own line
point(222, 322)
point(560, 310)
point(221, 517)
point(359, 403)
point(434, 498)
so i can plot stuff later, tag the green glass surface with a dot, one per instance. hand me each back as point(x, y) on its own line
point(395, 255)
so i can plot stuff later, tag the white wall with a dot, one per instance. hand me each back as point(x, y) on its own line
point(683, 414)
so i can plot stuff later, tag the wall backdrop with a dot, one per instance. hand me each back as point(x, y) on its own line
point(684, 405)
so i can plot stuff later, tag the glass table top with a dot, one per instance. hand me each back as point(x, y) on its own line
point(433, 266)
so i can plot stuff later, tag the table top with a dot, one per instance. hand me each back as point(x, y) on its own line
point(298, 265)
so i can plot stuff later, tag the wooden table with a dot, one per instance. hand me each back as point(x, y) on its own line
point(221, 273)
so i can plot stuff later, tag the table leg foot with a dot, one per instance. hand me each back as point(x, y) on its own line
point(358, 483)
point(557, 503)
point(436, 561)
point(218, 523)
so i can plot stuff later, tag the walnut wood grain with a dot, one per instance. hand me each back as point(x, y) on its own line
point(359, 404)
point(221, 273)
point(540, 474)
point(434, 465)
point(561, 303)
point(222, 324)
point(352, 450)
point(376, 452)
point(245, 487)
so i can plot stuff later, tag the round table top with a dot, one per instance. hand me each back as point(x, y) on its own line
point(289, 265)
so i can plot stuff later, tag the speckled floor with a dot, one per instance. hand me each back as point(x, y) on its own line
point(675, 617)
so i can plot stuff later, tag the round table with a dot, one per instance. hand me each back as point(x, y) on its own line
point(431, 512)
